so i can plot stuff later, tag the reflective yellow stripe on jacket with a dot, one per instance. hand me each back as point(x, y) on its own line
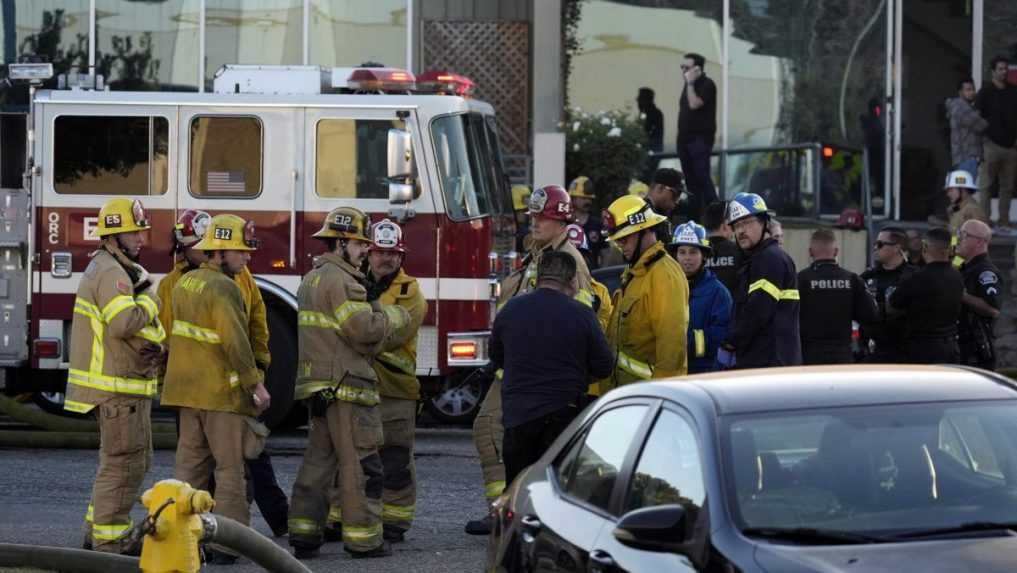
point(398, 360)
point(348, 309)
point(195, 332)
point(634, 367)
point(94, 378)
point(772, 290)
point(700, 339)
point(117, 384)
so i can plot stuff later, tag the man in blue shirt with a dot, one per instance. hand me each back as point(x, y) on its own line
point(550, 347)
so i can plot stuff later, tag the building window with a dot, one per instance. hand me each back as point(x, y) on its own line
point(104, 155)
point(351, 32)
point(225, 158)
point(252, 32)
point(351, 158)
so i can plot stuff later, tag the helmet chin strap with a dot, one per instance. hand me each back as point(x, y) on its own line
point(639, 247)
point(112, 244)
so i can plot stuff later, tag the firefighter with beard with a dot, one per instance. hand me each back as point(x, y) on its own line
point(650, 314)
point(550, 210)
point(764, 323)
point(116, 353)
point(398, 386)
point(340, 333)
point(188, 231)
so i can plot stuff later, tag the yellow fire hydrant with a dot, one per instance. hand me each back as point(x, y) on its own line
point(174, 528)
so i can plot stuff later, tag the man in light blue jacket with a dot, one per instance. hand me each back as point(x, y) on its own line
point(710, 304)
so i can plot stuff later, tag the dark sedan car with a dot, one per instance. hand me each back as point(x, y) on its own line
point(858, 468)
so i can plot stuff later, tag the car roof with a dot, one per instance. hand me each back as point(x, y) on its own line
point(772, 389)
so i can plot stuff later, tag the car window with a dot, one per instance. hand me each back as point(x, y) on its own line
point(669, 469)
point(589, 470)
point(964, 438)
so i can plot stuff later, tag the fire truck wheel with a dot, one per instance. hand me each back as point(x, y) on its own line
point(282, 344)
point(459, 396)
point(53, 403)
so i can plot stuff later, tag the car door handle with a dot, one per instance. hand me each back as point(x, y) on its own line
point(531, 522)
point(601, 560)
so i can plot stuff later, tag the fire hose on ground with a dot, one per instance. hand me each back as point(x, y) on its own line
point(178, 521)
point(61, 432)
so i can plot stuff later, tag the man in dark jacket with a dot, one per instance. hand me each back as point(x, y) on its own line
point(653, 120)
point(550, 347)
point(930, 301)
point(997, 102)
point(831, 298)
point(883, 338)
point(724, 253)
point(764, 327)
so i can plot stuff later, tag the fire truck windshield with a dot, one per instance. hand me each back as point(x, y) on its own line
point(469, 165)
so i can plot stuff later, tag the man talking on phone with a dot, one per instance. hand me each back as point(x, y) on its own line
point(697, 126)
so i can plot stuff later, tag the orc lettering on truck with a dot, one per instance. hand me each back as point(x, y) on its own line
point(54, 227)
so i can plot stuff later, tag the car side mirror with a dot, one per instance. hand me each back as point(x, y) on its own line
point(659, 528)
point(400, 154)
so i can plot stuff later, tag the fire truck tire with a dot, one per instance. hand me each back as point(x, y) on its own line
point(281, 375)
point(459, 396)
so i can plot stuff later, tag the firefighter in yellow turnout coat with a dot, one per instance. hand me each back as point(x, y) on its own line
point(340, 333)
point(212, 376)
point(398, 386)
point(649, 321)
point(115, 355)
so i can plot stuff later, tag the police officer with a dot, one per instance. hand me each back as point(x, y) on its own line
point(724, 254)
point(188, 231)
point(831, 298)
point(650, 318)
point(710, 303)
point(764, 327)
point(550, 210)
point(983, 287)
point(883, 338)
point(213, 376)
point(398, 386)
point(930, 301)
point(340, 332)
point(116, 352)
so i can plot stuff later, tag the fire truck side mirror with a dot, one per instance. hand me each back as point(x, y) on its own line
point(400, 154)
point(400, 193)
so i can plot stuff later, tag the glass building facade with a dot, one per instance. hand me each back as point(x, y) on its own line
point(179, 44)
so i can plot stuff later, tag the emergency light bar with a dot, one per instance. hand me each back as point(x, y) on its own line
point(380, 79)
point(445, 83)
point(29, 72)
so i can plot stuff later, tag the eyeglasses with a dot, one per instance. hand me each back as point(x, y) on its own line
point(685, 68)
point(881, 244)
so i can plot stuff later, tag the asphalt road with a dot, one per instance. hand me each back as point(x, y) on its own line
point(44, 494)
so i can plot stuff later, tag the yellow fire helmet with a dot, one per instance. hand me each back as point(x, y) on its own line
point(228, 233)
point(638, 188)
point(520, 197)
point(345, 223)
point(122, 216)
point(628, 215)
point(581, 187)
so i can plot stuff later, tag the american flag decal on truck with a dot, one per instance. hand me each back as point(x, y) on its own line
point(225, 182)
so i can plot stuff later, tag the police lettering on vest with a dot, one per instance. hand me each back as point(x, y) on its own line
point(830, 284)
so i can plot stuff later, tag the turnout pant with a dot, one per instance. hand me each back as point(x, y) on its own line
point(525, 443)
point(347, 437)
point(125, 454)
point(999, 163)
point(211, 440)
point(487, 437)
point(399, 496)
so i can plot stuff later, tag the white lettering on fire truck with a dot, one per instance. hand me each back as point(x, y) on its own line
point(54, 227)
point(89, 225)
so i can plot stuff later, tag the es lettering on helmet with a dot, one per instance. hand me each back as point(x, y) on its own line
point(113, 221)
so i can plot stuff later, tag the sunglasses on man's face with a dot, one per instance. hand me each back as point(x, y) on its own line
point(881, 244)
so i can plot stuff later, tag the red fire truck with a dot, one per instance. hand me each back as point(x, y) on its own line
point(280, 145)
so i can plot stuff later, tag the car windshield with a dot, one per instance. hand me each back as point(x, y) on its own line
point(469, 165)
point(884, 471)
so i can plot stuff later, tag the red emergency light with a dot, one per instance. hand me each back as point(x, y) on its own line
point(445, 83)
point(463, 350)
point(827, 152)
point(380, 79)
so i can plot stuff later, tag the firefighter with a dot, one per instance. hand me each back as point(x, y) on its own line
point(960, 189)
point(340, 334)
point(831, 298)
point(583, 200)
point(650, 315)
point(710, 302)
point(116, 352)
point(213, 376)
point(883, 339)
point(930, 301)
point(764, 325)
point(983, 287)
point(602, 302)
point(520, 197)
point(550, 210)
point(398, 386)
point(189, 229)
